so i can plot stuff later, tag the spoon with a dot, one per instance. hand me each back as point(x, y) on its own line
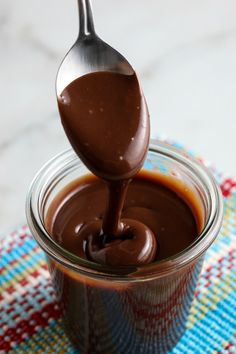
point(89, 53)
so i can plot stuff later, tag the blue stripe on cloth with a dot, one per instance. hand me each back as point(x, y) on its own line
point(21, 265)
point(206, 335)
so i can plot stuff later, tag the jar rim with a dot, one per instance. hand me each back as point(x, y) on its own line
point(127, 273)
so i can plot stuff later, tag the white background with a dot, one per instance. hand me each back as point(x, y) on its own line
point(184, 52)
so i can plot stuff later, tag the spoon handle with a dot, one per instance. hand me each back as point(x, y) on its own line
point(86, 24)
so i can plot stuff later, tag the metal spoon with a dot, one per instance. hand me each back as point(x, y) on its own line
point(89, 53)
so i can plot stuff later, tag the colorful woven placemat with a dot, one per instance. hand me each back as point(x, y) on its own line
point(30, 320)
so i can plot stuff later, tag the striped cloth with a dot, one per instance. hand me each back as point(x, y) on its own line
point(30, 319)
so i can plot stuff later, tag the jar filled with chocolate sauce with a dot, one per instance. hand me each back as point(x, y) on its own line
point(114, 309)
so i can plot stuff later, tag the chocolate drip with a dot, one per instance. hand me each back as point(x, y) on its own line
point(106, 119)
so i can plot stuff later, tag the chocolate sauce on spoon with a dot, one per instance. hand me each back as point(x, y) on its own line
point(106, 120)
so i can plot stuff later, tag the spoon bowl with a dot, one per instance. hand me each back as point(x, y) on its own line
point(89, 53)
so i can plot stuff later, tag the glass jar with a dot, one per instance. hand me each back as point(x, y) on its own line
point(126, 309)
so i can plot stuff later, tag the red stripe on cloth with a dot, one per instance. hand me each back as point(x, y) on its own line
point(26, 296)
point(228, 347)
point(23, 282)
point(27, 328)
point(227, 186)
point(18, 239)
point(217, 270)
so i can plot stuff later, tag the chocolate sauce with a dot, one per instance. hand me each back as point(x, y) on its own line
point(79, 210)
point(106, 119)
point(120, 217)
point(103, 314)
